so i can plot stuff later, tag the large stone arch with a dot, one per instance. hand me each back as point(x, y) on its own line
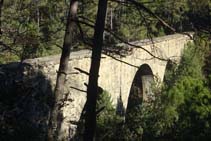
point(169, 70)
point(141, 86)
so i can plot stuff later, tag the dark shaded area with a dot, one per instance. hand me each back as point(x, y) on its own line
point(135, 100)
point(120, 109)
point(169, 72)
point(25, 103)
point(136, 91)
point(200, 18)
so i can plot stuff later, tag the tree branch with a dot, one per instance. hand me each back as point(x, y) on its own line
point(123, 41)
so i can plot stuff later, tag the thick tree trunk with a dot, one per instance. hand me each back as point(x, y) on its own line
point(92, 90)
point(69, 39)
point(1, 5)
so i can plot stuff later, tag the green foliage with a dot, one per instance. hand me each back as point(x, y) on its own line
point(194, 105)
point(34, 28)
point(104, 103)
point(108, 123)
point(174, 13)
point(31, 28)
point(188, 101)
point(25, 103)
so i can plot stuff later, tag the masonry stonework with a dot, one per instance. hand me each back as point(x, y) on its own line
point(116, 74)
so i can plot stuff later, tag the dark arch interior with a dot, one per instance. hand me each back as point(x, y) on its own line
point(136, 91)
point(170, 68)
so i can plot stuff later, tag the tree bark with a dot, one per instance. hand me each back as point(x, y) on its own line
point(92, 90)
point(69, 39)
point(1, 5)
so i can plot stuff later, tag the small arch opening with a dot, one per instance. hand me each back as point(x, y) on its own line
point(169, 72)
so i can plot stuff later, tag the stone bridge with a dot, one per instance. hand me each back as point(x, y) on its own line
point(117, 73)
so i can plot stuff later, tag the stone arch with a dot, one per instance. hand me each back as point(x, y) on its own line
point(169, 70)
point(140, 87)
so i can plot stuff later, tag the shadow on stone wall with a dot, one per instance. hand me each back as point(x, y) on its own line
point(120, 109)
point(25, 103)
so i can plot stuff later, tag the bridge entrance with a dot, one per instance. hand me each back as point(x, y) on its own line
point(141, 87)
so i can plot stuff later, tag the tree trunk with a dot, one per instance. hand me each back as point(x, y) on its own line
point(1, 5)
point(69, 39)
point(92, 90)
